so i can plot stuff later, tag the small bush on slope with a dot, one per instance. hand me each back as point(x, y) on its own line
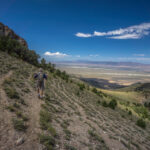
point(19, 124)
point(48, 141)
point(141, 123)
point(81, 86)
point(11, 93)
point(112, 104)
point(45, 119)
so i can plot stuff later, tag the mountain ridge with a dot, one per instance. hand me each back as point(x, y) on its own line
point(7, 32)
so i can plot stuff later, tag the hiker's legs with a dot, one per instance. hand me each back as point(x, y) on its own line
point(41, 92)
point(42, 89)
point(38, 90)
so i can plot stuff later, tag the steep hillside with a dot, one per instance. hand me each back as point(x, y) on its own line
point(6, 31)
point(70, 117)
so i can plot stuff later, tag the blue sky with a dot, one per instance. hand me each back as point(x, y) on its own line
point(101, 30)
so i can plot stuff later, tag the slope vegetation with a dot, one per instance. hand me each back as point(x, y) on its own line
point(70, 117)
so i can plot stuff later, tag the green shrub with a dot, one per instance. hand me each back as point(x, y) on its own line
point(19, 114)
point(99, 93)
point(112, 104)
point(11, 108)
point(95, 136)
point(45, 119)
point(69, 147)
point(98, 102)
point(19, 125)
point(64, 76)
point(130, 112)
point(52, 131)
point(48, 141)
point(81, 86)
point(94, 90)
point(11, 93)
point(141, 123)
point(142, 111)
point(25, 118)
point(147, 104)
point(104, 103)
point(16, 105)
point(68, 134)
point(21, 101)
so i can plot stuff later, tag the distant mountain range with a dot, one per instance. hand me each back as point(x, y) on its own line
point(113, 63)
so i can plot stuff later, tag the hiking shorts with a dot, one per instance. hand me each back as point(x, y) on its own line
point(40, 85)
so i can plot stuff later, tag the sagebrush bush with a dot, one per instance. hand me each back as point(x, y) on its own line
point(48, 141)
point(11, 93)
point(97, 92)
point(45, 119)
point(104, 103)
point(130, 112)
point(69, 147)
point(81, 86)
point(11, 108)
point(112, 104)
point(141, 123)
point(52, 131)
point(19, 124)
point(94, 90)
point(95, 136)
point(142, 111)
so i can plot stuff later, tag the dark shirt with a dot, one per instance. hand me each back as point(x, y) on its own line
point(44, 76)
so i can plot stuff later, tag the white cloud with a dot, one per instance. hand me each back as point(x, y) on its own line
point(85, 35)
point(95, 55)
point(99, 33)
point(57, 54)
point(131, 32)
point(139, 55)
point(126, 36)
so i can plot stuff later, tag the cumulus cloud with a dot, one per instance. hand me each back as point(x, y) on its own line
point(99, 33)
point(57, 54)
point(126, 36)
point(85, 35)
point(131, 32)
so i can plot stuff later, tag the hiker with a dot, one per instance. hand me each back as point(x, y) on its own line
point(41, 76)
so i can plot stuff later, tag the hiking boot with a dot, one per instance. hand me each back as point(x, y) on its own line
point(42, 96)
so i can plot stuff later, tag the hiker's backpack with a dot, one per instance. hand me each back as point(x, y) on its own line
point(40, 77)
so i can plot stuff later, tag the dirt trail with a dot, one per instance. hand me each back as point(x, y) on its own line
point(33, 109)
point(9, 136)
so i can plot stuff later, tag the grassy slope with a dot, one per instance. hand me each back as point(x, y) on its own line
point(131, 96)
point(68, 118)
